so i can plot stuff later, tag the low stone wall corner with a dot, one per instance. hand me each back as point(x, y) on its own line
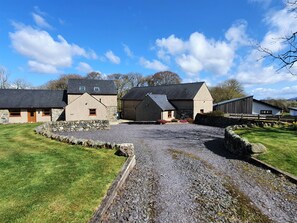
point(241, 146)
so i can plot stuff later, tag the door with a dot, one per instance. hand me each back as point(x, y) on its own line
point(31, 115)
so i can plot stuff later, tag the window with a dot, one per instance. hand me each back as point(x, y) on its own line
point(266, 112)
point(82, 88)
point(201, 111)
point(92, 112)
point(96, 89)
point(46, 112)
point(15, 113)
point(169, 114)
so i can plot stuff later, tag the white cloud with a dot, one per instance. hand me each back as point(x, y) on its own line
point(112, 57)
point(171, 44)
point(128, 51)
point(40, 21)
point(35, 66)
point(199, 53)
point(237, 36)
point(281, 24)
point(285, 92)
point(45, 53)
point(253, 69)
point(84, 67)
point(154, 65)
point(189, 64)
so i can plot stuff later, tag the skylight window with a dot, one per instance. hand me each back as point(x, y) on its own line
point(82, 88)
point(96, 89)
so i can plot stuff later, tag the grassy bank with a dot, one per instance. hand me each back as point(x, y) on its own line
point(281, 144)
point(47, 181)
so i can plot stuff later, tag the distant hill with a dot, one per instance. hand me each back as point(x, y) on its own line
point(292, 99)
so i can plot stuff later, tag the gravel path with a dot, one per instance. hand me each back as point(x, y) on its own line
point(184, 174)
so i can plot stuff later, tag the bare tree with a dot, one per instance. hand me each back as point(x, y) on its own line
point(94, 75)
point(62, 82)
point(288, 56)
point(3, 78)
point(21, 84)
point(162, 78)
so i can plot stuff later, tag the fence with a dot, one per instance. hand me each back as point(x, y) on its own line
point(263, 117)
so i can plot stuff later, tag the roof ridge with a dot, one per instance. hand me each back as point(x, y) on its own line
point(163, 85)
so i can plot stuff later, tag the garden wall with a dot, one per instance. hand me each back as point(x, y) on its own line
point(219, 121)
point(73, 126)
point(241, 146)
point(51, 130)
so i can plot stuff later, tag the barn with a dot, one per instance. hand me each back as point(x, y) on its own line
point(247, 105)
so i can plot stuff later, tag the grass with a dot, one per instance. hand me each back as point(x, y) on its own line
point(281, 144)
point(43, 180)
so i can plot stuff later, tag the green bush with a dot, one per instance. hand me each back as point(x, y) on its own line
point(174, 120)
point(215, 113)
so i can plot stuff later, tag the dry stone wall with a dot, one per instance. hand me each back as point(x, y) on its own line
point(241, 146)
point(51, 130)
point(4, 116)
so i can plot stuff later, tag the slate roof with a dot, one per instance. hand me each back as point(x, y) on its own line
point(21, 98)
point(91, 86)
point(231, 100)
point(173, 92)
point(162, 101)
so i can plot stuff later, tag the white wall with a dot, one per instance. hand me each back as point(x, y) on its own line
point(293, 112)
point(257, 107)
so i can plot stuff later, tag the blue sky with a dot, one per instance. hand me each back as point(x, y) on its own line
point(208, 41)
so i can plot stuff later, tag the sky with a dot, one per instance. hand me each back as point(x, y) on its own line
point(209, 41)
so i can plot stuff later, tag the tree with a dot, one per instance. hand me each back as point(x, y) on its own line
point(227, 90)
point(124, 82)
point(62, 82)
point(287, 57)
point(21, 84)
point(94, 75)
point(163, 78)
point(3, 78)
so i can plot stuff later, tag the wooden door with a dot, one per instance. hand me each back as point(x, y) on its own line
point(31, 115)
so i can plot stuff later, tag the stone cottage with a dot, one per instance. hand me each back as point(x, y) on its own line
point(84, 99)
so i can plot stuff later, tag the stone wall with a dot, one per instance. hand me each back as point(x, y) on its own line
point(4, 116)
point(241, 146)
point(71, 126)
point(51, 130)
point(219, 121)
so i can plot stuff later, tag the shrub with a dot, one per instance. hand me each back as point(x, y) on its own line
point(215, 113)
point(174, 120)
point(294, 126)
point(162, 122)
point(190, 120)
point(183, 121)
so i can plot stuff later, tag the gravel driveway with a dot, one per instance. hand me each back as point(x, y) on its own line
point(184, 174)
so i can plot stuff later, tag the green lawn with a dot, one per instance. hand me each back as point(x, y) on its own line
point(42, 180)
point(281, 143)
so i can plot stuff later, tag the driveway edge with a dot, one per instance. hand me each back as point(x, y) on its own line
point(289, 176)
point(113, 190)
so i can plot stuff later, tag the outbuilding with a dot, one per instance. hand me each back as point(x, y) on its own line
point(155, 107)
point(247, 105)
point(188, 99)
